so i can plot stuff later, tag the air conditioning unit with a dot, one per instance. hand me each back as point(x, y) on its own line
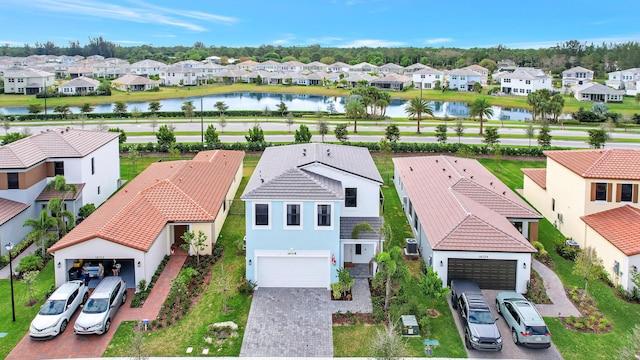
point(560, 218)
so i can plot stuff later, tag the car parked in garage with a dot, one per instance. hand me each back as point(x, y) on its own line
point(54, 315)
point(101, 307)
point(525, 322)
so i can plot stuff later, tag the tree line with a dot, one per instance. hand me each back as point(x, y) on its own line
point(601, 58)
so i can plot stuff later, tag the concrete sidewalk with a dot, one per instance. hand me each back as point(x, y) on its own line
point(562, 306)
point(4, 272)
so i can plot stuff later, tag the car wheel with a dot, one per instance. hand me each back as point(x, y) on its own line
point(124, 297)
point(63, 326)
point(467, 342)
point(498, 307)
point(514, 336)
point(453, 301)
point(107, 325)
point(85, 298)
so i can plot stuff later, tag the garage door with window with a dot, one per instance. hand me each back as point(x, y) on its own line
point(300, 270)
point(488, 273)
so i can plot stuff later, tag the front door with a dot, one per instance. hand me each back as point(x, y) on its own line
point(178, 231)
point(348, 253)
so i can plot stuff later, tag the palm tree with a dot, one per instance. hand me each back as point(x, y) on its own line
point(481, 108)
point(417, 107)
point(56, 208)
point(355, 110)
point(40, 226)
point(61, 216)
point(390, 266)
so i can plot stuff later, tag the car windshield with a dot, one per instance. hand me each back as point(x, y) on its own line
point(52, 307)
point(480, 317)
point(537, 330)
point(96, 306)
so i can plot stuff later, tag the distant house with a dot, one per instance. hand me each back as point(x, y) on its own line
point(392, 82)
point(145, 220)
point(463, 79)
point(391, 68)
point(364, 67)
point(484, 72)
point(414, 67)
point(338, 67)
point(181, 75)
point(427, 78)
point(79, 86)
point(354, 78)
point(467, 224)
point(576, 76)
point(625, 80)
point(27, 81)
point(147, 68)
point(88, 159)
point(592, 91)
point(523, 81)
point(268, 65)
point(301, 204)
point(134, 83)
point(591, 196)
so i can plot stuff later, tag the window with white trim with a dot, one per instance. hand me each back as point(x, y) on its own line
point(350, 197)
point(324, 216)
point(261, 214)
point(293, 215)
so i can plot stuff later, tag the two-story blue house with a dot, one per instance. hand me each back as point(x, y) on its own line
point(302, 203)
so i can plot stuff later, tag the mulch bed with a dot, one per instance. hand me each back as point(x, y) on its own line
point(592, 320)
point(340, 319)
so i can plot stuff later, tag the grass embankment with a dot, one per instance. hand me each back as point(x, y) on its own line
point(627, 108)
point(16, 330)
point(622, 315)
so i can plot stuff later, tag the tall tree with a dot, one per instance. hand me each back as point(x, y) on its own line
point(120, 108)
point(40, 227)
point(544, 136)
point(441, 133)
point(341, 132)
point(416, 107)
point(459, 129)
point(597, 138)
point(355, 110)
point(303, 135)
point(530, 131)
point(481, 108)
point(323, 128)
point(491, 136)
point(221, 106)
point(282, 108)
point(188, 110)
point(165, 136)
point(154, 107)
point(390, 267)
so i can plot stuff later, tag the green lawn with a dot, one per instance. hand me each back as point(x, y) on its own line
point(24, 315)
point(623, 316)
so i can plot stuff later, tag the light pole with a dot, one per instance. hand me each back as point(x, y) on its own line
point(201, 123)
point(9, 247)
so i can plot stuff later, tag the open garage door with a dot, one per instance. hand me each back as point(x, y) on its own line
point(293, 271)
point(488, 273)
point(76, 266)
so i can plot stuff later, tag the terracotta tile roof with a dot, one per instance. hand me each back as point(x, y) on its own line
point(10, 208)
point(600, 164)
point(175, 191)
point(462, 206)
point(539, 176)
point(619, 226)
point(59, 143)
point(47, 195)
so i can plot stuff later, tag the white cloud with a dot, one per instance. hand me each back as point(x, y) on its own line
point(286, 39)
point(373, 43)
point(438, 40)
point(323, 40)
point(144, 13)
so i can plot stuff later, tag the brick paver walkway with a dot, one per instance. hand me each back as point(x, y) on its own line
point(68, 345)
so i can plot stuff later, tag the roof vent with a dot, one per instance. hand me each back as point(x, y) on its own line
point(472, 176)
point(491, 183)
point(443, 169)
point(464, 170)
point(329, 152)
point(304, 152)
point(410, 168)
point(449, 176)
point(455, 161)
point(504, 193)
point(436, 160)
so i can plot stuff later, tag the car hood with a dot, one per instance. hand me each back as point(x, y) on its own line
point(487, 331)
point(41, 322)
point(88, 320)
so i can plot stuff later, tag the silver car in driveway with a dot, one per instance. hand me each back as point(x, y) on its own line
point(54, 315)
point(525, 322)
point(101, 308)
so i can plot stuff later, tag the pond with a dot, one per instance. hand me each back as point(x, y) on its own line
point(259, 101)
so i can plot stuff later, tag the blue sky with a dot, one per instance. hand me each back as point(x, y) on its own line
point(330, 23)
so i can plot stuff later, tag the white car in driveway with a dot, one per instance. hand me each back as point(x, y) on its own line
point(525, 322)
point(55, 313)
point(100, 309)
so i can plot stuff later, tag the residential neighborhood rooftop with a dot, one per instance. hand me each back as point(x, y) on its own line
point(10, 208)
point(186, 190)
point(539, 176)
point(620, 226)
point(600, 164)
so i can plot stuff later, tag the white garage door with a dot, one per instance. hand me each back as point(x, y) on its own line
point(293, 271)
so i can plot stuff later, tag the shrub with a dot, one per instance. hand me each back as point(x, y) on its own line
point(29, 263)
point(568, 252)
point(246, 287)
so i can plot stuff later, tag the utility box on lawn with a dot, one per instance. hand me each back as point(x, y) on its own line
point(410, 326)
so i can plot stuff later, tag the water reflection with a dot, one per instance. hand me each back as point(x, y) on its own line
point(302, 102)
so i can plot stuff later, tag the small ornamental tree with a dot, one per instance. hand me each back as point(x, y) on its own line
point(530, 131)
point(120, 108)
point(597, 138)
point(165, 136)
point(588, 266)
point(392, 133)
point(303, 135)
point(289, 120)
point(341, 132)
point(211, 137)
point(388, 344)
point(323, 128)
point(544, 136)
point(188, 109)
point(459, 129)
point(390, 268)
point(85, 211)
point(123, 136)
point(441, 133)
point(29, 279)
point(431, 286)
point(194, 244)
point(491, 136)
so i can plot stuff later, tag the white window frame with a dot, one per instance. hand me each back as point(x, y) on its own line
point(315, 216)
point(284, 216)
point(253, 215)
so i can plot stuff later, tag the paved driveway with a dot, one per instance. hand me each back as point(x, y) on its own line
point(509, 349)
point(297, 322)
point(290, 323)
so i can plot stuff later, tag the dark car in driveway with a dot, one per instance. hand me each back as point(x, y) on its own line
point(480, 329)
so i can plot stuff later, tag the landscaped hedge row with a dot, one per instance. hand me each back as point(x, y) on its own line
point(400, 147)
point(143, 289)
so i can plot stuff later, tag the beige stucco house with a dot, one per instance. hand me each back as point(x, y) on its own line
point(581, 193)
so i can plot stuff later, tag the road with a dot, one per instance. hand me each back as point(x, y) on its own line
point(367, 128)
